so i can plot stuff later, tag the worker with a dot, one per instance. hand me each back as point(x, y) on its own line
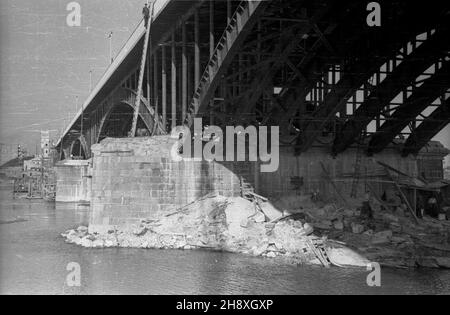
point(315, 196)
point(433, 210)
point(420, 207)
point(146, 13)
point(366, 209)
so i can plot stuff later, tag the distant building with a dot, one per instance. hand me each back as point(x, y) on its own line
point(7, 152)
point(447, 173)
point(45, 143)
point(34, 164)
point(430, 161)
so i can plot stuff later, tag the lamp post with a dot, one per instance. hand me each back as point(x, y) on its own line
point(90, 81)
point(81, 128)
point(110, 47)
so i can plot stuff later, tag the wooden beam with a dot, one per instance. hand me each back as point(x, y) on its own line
point(164, 87)
point(155, 85)
point(211, 53)
point(196, 50)
point(184, 75)
point(174, 83)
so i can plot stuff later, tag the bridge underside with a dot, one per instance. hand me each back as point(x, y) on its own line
point(314, 68)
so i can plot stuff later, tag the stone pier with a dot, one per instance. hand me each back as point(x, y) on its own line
point(73, 181)
point(135, 179)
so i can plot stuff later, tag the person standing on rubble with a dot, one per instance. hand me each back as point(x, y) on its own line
point(433, 210)
point(366, 209)
point(146, 14)
point(420, 207)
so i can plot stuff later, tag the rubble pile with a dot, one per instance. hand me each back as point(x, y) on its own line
point(392, 238)
point(284, 230)
point(218, 223)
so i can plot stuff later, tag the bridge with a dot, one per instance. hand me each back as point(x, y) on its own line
point(314, 67)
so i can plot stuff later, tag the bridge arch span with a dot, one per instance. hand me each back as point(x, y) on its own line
point(79, 149)
point(117, 120)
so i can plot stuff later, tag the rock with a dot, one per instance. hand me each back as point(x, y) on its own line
point(349, 213)
point(382, 237)
point(357, 228)
point(297, 224)
point(320, 212)
point(395, 227)
point(140, 231)
point(339, 225)
point(270, 211)
point(271, 255)
point(110, 243)
point(389, 218)
point(308, 229)
point(324, 225)
point(86, 242)
point(70, 235)
point(347, 257)
point(443, 262)
point(98, 244)
point(91, 237)
point(398, 240)
point(347, 223)
point(259, 217)
point(244, 223)
point(82, 230)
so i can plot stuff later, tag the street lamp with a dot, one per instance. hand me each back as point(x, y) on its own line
point(90, 81)
point(110, 47)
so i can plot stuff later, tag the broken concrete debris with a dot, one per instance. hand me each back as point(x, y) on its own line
point(260, 228)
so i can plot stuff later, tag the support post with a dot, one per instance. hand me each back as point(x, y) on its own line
point(196, 49)
point(174, 83)
point(196, 53)
point(155, 86)
point(184, 78)
point(164, 87)
point(211, 52)
point(149, 94)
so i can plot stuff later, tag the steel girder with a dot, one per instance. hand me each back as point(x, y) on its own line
point(288, 42)
point(421, 98)
point(428, 129)
point(311, 67)
point(412, 67)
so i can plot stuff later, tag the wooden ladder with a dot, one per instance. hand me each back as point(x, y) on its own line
point(317, 246)
point(358, 162)
point(141, 73)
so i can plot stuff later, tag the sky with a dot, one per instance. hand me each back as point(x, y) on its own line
point(45, 64)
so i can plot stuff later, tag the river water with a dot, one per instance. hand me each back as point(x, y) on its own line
point(34, 258)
